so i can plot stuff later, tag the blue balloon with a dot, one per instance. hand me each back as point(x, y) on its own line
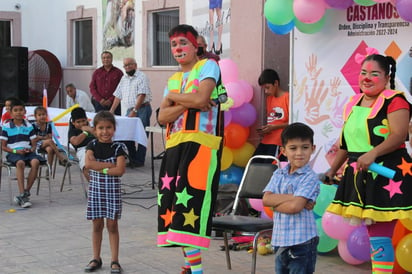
point(232, 175)
point(281, 29)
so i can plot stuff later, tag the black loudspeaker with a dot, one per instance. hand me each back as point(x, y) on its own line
point(14, 75)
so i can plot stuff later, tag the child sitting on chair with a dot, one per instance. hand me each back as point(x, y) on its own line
point(18, 140)
point(80, 134)
point(44, 140)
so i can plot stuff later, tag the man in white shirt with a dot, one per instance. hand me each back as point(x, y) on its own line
point(134, 95)
point(77, 96)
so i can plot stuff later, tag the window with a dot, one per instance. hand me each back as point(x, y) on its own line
point(162, 22)
point(5, 34)
point(83, 41)
point(81, 37)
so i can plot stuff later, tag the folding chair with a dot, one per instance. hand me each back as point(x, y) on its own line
point(10, 167)
point(255, 177)
point(72, 161)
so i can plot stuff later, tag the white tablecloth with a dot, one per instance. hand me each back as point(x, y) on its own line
point(127, 129)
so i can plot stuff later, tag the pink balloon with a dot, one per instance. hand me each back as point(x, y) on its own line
point(247, 90)
point(245, 115)
point(339, 4)
point(404, 8)
point(335, 226)
point(234, 91)
point(381, 1)
point(309, 12)
point(345, 254)
point(256, 204)
point(228, 70)
point(228, 118)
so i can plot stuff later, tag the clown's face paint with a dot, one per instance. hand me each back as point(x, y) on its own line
point(372, 79)
point(182, 50)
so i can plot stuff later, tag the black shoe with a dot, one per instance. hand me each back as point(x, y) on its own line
point(115, 270)
point(93, 265)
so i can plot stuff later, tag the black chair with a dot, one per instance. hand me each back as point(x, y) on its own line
point(255, 178)
point(72, 161)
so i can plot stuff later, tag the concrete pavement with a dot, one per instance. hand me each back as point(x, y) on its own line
point(51, 238)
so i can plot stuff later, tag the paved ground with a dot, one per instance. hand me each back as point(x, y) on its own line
point(56, 238)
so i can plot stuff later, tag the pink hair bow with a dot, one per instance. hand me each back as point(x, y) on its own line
point(369, 51)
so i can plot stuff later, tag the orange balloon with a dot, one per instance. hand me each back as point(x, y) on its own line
point(407, 223)
point(397, 269)
point(235, 135)
point(398, 233)
point(268, 210)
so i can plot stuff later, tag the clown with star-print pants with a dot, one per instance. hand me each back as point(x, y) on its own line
point(189, 179)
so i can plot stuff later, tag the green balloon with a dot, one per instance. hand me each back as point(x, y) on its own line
point(326, 195)
point(365, 2)
point(310, 28)
point(279, 12)
point(326, 243)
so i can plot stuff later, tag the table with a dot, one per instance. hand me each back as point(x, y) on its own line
point(127, 128)
point(155, 129)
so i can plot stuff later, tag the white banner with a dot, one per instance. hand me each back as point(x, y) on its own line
point(325, 74)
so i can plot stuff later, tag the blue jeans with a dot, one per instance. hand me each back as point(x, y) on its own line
point(297, 259)
point(139, 155)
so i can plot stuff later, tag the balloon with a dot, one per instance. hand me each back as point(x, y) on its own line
point(326, 195)
point(326, 243)
point(281, 29)
point(235, 135)
point(278, 12)
point(345, 254)
point(227, 158)
point(381, 1)
point(234, 91)
point(397, 269)
point(242, 155)
point(407, 223)
point(404, 8)
point(398, 233)
point(256, 204)
point(339, 4)
point(247, 90)
point(309, 12)
point(232, 175)
point(310, 28)
point(245, 115)
point(335, 226)
point(268, 211)
point(358, 244)
point(228, 118)
point(365, 2)
point(404, 252)
point(228, 70)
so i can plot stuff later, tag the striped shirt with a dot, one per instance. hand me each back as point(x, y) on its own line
point(293, 229)
point(18, 137)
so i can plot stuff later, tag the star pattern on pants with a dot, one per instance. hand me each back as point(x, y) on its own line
point(183, 197)
point(190, 218)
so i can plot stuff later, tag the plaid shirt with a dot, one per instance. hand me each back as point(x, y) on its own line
point(131, 86)
point(293, 229)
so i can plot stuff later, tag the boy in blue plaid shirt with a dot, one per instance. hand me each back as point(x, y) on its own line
point(291, 193)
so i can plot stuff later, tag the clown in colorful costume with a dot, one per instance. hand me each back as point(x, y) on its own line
point(189, 174)
point(365, 194)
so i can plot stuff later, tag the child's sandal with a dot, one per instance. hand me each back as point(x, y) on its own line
point(115, 270)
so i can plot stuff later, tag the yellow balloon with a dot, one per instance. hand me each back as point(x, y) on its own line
point(404, 252)
point(407, 223)
point(227, 158)
point(243, 154)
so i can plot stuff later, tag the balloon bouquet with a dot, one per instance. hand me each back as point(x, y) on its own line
point(236, 150)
